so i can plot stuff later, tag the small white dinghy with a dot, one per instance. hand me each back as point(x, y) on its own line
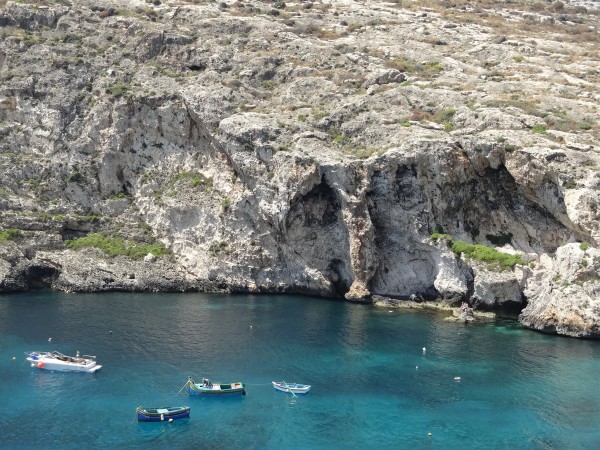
point(63, 363)
point(293, 388)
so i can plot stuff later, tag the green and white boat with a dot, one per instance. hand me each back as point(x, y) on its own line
point(207, 387)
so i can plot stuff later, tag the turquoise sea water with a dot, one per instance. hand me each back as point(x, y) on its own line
point(373, 386)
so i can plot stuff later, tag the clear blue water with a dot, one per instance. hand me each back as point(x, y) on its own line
point(373, 387)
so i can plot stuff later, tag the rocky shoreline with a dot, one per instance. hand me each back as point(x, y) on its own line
point(359, 150)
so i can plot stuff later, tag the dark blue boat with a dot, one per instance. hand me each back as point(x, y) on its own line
point(166, 413)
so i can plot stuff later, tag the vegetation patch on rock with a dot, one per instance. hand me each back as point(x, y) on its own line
point(115, 246)
point(9, 235)
point(492, 257)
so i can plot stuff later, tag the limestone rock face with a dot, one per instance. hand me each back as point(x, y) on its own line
point(26, 17)
point(11, 279)
point(454, 280)
point(564, 294)
point(496, 290)
point(314, 151)
point(89, 272)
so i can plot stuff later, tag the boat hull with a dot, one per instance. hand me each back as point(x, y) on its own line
point(162, 414)
point(291, 388)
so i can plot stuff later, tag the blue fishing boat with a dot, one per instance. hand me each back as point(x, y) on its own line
point(207, 387)
point(292, 388)
point(166, 413)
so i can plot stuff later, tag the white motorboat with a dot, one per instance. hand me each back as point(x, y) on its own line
point(57, 361)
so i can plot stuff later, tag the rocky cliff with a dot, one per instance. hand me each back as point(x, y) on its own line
point(341, 148)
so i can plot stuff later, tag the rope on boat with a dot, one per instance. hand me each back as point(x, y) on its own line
point(135, 416)
point(187, 383)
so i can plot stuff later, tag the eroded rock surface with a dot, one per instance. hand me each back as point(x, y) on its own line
point(306, 148)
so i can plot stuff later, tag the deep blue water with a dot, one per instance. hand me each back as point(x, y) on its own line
point(373, 387)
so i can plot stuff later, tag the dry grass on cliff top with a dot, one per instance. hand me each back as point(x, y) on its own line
point(538, 26)
point(538, 19)
point(523, 18)
point(519, 19)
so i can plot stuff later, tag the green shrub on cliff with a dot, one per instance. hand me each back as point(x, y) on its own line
point(479, 252)
point(220, 246)
point(9, 234)
point(117, 89)
point(486, 254)
point(115, 246)
point(74, 177)
point(440, 235)
point(195, 179)
point(225, 203)
point(539, 128)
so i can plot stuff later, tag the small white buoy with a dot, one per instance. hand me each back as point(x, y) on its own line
point(429, 434)
point(170, 420)
point(14, 357)
point(162, 417)
point(110, 332)
point(49, 339)
point(424, 350)
point(456, 378)
point(416, 367)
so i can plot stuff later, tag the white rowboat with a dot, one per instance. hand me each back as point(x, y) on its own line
point(293, 388)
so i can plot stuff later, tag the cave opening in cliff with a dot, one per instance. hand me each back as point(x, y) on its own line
point(316, 231)
point(339, 276)
point(511, 310)
point(40, 277)
point(320, 206)
point(494, 210)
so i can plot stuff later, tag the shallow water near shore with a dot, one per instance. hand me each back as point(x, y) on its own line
point(373, 386)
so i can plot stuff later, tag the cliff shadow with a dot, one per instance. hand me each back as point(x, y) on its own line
point(398, 211)
point(494, 210)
